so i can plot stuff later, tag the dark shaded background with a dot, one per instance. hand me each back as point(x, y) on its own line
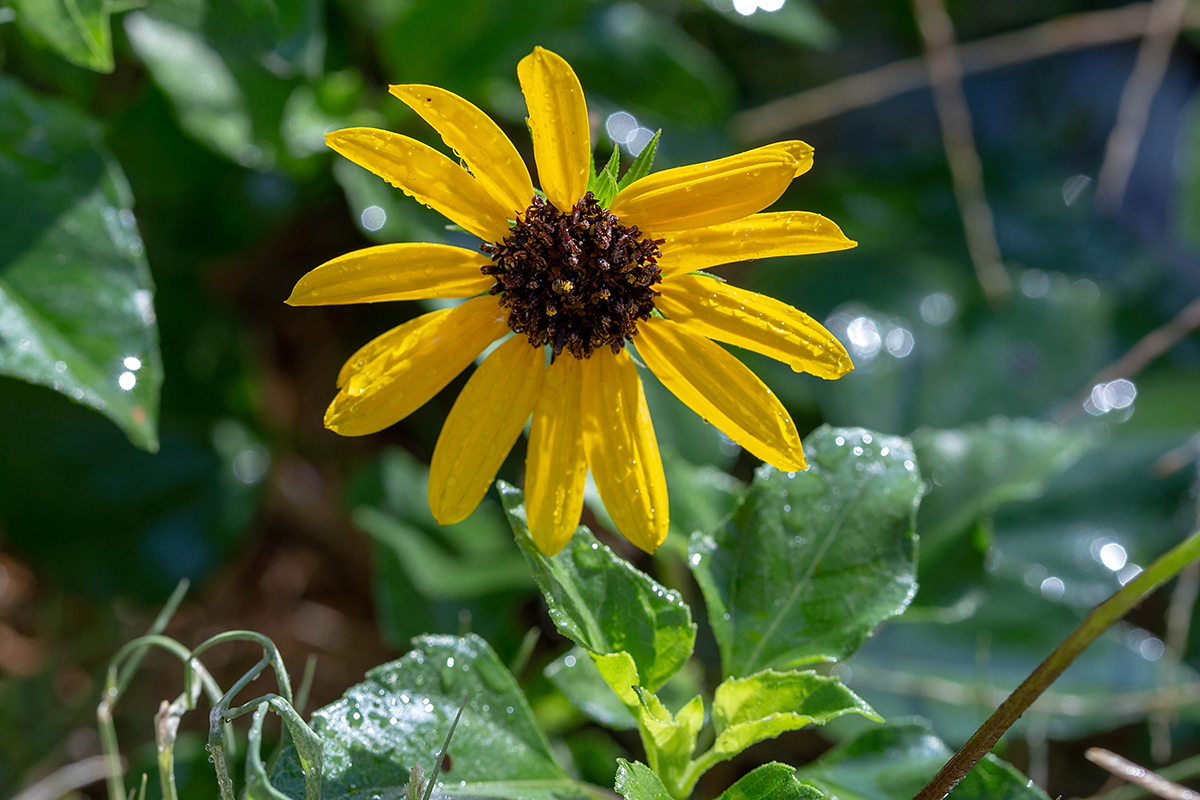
point(251, 499)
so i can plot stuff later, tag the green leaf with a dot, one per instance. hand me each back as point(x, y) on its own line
point(811, 562)
point(670, 739)
point(977, 468)
point(78, 30)
point(605, 604)
point(603, 184)
point(398, 718)
point(606, 188)
point(748, 710)
point(437, 573)
point(576, 676)
point(641, 165)
point(772, 781)
point(894, 762)
point(208, 101)
point(76, 296)
point(1047, 564)
point(636, 781)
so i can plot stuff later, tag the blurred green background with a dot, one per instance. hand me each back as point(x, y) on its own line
point(164, 183)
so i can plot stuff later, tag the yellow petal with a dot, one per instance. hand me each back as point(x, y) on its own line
point(706, 194)
point(801, 151)
point(482, 427)
point(782, 233)
point(722, 390)
point(555, 469)
point(478, 140)
point(426, 175)
point(622, 452)
point(756, 322)
point(558, 121)
point(394, 272)
point(403, 369)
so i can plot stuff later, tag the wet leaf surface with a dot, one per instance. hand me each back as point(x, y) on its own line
point(811, 562)
point(76, 297)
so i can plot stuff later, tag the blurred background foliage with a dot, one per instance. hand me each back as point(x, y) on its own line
point(164, 182)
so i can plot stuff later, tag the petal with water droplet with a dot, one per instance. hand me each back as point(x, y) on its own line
point(711, 193)
point(721, 389)
point(622, 453)
point(555, 467)
point(783, 233)
point(398, 372)
point(410, 271)
point(708, 307)
point(559, 123)
point(426, 175)
point(478, 140)
point(482, 427)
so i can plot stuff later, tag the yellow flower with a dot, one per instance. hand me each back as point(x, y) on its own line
point(579, 280)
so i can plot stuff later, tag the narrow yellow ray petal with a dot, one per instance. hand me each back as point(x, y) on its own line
point(622, 452)
point(559, 123)
point(555, 468)
point(756, 322)
point(706, 194)
point(482, 427)
point(392, 342)
point(478, 140)
point(780, 233)
point(401, 370)
point(722, 390)
point(394, 272)
point(426, 175)
point(801, 151)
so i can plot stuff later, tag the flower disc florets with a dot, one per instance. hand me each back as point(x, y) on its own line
point(576, 281)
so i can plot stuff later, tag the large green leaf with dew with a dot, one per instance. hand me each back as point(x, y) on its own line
point(894, 762)
point(604, 603)
point(76, 297)
point(1053, 559)
point(398, 719)
point(768, 703)
point(78, 30)
point(811, 562)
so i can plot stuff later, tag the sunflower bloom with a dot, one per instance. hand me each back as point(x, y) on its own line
point(576, 281)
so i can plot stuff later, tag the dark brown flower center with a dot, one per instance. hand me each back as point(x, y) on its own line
point(576, 281)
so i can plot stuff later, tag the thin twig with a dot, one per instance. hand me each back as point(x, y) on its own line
point(1171, 462)
point(1060, 35)
point(1097, 622)
point(945, 72)
point(67, 779)
point(1184, 770)
point(1127, 770)
point(1144, 351)
point(1162, 29)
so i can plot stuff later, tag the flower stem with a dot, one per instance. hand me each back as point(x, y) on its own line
point(1101, 619)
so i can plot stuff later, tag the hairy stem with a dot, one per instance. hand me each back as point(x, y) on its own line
point(1096, 623)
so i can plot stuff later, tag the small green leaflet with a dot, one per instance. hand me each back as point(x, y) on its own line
point(642, 164)
point(604, 185)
